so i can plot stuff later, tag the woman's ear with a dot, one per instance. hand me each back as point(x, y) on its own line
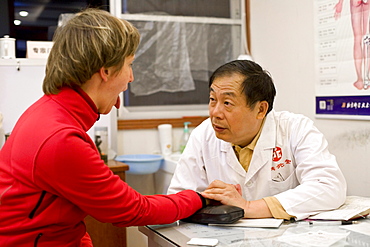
point(104, 72)
point(262, 109)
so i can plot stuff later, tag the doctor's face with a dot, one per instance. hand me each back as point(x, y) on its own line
point(232, 119)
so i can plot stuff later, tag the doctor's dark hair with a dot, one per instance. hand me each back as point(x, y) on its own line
point(257, 85)
point(89, 41)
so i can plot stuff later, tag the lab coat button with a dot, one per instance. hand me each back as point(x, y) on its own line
point(249, 184)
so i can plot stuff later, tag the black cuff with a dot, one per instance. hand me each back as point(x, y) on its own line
point(204, 202)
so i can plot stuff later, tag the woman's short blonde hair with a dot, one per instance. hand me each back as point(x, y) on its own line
point(91, 40)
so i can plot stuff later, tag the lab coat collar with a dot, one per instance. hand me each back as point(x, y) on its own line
point(268, 135)
point(262, 153)
point(231, 158)
point(262, 150)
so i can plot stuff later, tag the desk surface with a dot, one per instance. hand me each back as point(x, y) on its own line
point(288, 234)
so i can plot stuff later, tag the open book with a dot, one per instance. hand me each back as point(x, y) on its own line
point(354, 207)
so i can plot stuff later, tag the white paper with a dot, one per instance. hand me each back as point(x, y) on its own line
point(233, 236)
point(192, 230)
point(267, 222)
point(353, 206)
point(203, 241)
point(363, 228)
point(317, 239)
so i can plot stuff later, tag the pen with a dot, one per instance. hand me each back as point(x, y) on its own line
point(349, 222)
point(327, 222)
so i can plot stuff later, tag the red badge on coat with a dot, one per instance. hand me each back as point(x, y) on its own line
point(277, 154)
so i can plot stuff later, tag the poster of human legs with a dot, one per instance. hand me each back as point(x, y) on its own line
point(342, 52)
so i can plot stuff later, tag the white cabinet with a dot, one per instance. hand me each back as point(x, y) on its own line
point(21, 85)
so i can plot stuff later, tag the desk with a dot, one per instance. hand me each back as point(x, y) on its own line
point(178, 233)
point(105, 234)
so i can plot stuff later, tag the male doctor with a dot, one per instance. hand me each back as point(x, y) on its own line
point(271, 164)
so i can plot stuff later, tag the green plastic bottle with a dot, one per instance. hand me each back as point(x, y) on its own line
point(184, 137)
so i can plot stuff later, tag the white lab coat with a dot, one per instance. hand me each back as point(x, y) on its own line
point(291, 161)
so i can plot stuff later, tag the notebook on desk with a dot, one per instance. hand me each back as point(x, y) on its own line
point(354, 207)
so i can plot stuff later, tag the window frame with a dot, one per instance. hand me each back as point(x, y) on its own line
point(178, 111)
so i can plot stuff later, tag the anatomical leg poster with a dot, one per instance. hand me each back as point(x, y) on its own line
point(342, 53)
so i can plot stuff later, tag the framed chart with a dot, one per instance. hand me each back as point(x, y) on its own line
point(342, 53)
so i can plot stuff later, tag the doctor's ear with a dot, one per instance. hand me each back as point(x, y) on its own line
point(104, 72)
point(262, 109)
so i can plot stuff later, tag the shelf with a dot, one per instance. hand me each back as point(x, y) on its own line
point(23, 62)
point(153, 123)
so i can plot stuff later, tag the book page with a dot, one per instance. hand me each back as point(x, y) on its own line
point(354, 207)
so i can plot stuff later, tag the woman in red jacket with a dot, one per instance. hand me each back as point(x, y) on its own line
point(51, 174)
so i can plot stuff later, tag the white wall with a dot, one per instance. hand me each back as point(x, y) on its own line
point(282, 41)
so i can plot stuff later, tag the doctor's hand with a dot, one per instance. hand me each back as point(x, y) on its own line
point(228, 194)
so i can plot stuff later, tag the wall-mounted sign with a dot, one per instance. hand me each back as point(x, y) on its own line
point(38, 49)
point(342, 52)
